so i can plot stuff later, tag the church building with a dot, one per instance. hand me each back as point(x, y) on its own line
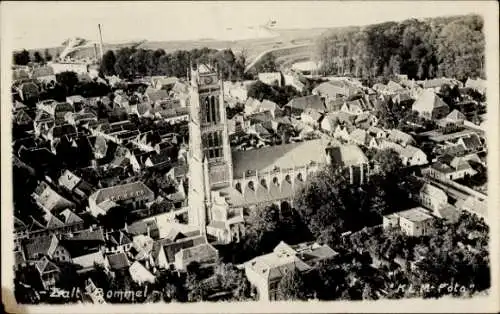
point(222, 183)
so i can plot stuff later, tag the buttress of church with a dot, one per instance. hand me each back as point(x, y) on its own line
point(210, 161)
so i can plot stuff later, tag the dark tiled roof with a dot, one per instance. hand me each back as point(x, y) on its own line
point(155, 94)
point(472, 142)
point(129, 190)
point(201, 253)
point(40, 245)
point(61, 130)
point(283, 156)
point(70, 218)
point(347, 155)
point(301, 103)
point(173, 248)
point(118, 261)
point(86, 235)
point(141, 227)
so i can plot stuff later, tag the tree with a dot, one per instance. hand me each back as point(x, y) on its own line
point(292, 286)
point(22, 57)
point(421, 49)
point(47, 56)
point(328, 280)
point(267, 64)
point(108, 61)
point(263, 230)
point(68, 80)
point(232, 279)
point(114, 218)
point(38, 57)
point(194, 287)
point(388, 162)
point(368, 293)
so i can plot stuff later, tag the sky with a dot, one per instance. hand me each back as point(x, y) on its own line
point(47, 24)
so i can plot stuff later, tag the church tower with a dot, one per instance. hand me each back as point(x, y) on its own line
point(210, 161)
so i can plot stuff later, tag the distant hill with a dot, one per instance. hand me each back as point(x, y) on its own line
point(252, 46)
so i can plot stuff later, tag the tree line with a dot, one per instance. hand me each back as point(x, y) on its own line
point(131, 62)
point(24, 57)
point(422, 49)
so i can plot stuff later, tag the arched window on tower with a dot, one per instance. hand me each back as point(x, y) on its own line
point(213, 109)
point(206, 110)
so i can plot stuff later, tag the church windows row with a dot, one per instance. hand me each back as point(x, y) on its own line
point(213, 144)
point(211, 111)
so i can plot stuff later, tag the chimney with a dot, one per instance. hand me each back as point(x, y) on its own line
point(95, 52)
point(125, 227)
point(149, 231)
point(100, 41)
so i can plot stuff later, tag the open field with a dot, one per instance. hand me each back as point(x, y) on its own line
point(253, 47)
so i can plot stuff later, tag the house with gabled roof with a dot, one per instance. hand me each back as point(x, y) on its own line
point(400, 137)
point(140, 274)
point(436, 83)
point(252, 106)
point(53, 222)
point(135, 194)
point(342, 132)
point(118, 262)
point(414, 222)
point(410, 155)
point(50, 246)
point(272, 107)
point(265, 272)
point(454, 169)
point(28, 91)
point(21, 118)
point(80, 118)
point(204, 254)
point(471, 142)
point(430, 106)
point(164, 82)
point(145, 227)
point(432, 197)
point(360, 137)
point(354, 107)
point(352, 158)
point(164, 250)
point(154, 95)
point(376, 132)
point(74, 184)
point(117, 241)
point(329, 92)
point(403, 98)
point(86, 262)
point(49, 272)
point(298, 105)
point(456, 116)
point(72, 222)
point(49, 200)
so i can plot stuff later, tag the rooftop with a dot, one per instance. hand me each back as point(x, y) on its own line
point(416, 214)
point(124, 191)
point(347, 155)
point(302, 103)
point(118, 261)
point(285, 156)
point(428, 100)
